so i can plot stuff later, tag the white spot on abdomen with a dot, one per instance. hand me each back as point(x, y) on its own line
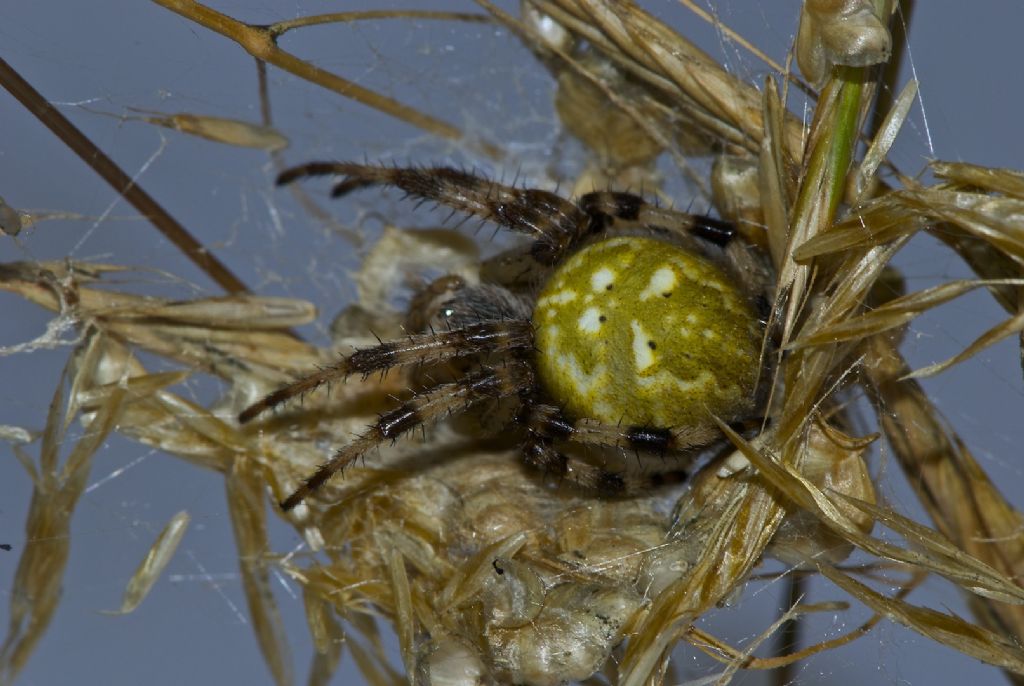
point(590, 320)
point(643, 356)
point(560, 298)
point(662, 281)
point(584, 383)
point(602, 278)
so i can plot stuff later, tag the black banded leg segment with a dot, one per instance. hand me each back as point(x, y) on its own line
point(542, 455)
point(423, 408)
point(547, 425)
point(548, 422)
point(553, 221)
point(605, 206)
point(483, 337)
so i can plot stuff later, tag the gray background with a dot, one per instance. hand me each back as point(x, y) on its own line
point(108, 54)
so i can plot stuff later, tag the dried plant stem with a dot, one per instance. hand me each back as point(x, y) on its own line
point(723, 652)
point(279, 28)
point(900, 27)
point(260, 42)
point(788, 638)
point(247, 505)
point(833, 135)
point(964, 504)
point(123, 184)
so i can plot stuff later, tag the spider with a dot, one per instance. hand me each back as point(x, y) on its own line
point(637, 327)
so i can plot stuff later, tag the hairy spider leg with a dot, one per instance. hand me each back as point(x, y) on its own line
point(541, 454)
point(550, 422)
point(482, 337)
point(603, 206)
point(547, 424)
point(554, 222)
point(423, 408)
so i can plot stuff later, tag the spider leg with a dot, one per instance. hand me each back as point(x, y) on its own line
point(547, 424)
point(553, 221)
point(481, 337)
point(604, 206)
point(543, 455)
point(423, 408)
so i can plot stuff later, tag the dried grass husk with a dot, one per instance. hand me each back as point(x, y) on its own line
point(56, 489)
point(153, 564)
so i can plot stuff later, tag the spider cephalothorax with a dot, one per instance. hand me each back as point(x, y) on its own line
point(645, 327)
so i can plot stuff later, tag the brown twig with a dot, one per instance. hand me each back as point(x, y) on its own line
point(124, 185)
point(260, 42)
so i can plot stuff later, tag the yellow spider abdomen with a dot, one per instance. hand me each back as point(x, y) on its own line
point(642, 332)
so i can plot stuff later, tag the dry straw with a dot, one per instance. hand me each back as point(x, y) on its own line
point(485, 573)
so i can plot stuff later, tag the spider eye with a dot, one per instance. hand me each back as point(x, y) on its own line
point(613, 347)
